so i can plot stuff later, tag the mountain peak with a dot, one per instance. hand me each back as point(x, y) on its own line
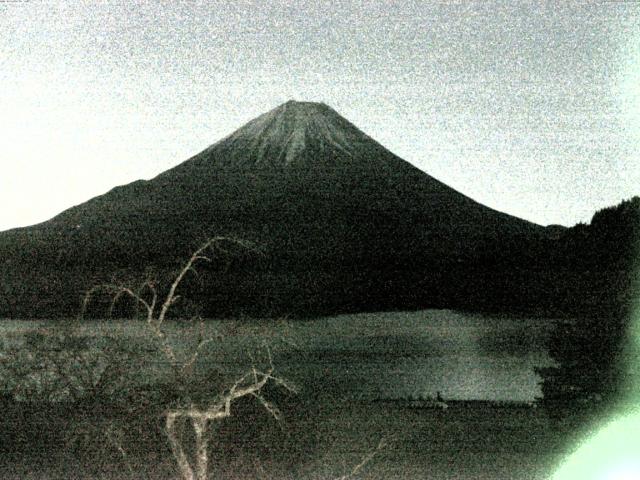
point(304, 105)
point(289, 133)
point(299, 111)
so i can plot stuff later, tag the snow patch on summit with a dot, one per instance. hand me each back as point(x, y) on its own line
point(281, 135)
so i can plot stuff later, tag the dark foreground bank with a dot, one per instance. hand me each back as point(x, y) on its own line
point(319, 438)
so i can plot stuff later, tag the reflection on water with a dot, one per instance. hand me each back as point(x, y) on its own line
point(403, 354)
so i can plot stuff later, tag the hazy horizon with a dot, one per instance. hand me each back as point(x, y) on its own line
point(530, 109)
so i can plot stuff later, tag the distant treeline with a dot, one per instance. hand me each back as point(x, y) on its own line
point(586, 270)
point(596, 353)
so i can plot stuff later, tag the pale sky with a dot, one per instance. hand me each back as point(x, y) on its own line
point(532, 108)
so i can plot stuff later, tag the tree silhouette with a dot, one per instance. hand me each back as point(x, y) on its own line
point(591, 350)
point(199, 409)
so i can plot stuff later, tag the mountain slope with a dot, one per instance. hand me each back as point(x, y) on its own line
point(344, 224)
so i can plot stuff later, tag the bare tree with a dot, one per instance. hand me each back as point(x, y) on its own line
point(198, 415)
point(59, 364)
point(64, 374)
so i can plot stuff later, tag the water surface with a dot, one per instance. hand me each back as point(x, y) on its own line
point(373, 355)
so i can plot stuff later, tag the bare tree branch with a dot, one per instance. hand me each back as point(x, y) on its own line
point(116, 292)
point(189, 266)
point(367, 458)
point(176, 447)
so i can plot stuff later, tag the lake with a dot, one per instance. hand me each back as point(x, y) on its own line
point(412, 354)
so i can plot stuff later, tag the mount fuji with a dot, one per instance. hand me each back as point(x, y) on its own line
point(342, 223)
